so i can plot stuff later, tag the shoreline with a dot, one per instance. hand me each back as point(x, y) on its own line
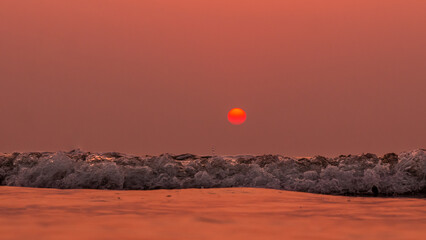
point(367, 195)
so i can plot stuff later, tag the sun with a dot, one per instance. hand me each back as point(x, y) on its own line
point(237, 116)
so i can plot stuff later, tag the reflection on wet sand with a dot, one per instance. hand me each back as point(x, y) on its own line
point(235, 213)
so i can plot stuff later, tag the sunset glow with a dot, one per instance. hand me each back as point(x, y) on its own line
point(237, 116)
point(113, 119)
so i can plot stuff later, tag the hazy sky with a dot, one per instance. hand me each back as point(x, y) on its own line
point(315, 77)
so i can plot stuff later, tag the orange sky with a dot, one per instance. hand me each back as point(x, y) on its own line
point(146, 77)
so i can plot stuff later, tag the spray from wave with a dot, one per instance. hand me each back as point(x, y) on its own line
point(364, 174)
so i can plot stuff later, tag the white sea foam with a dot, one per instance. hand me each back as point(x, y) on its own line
point(354, 174)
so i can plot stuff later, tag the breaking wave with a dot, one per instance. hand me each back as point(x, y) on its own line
point(365, 174)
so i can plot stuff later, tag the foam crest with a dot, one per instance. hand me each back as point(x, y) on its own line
point(392, 174)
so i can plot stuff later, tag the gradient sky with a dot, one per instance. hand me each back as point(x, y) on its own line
point(146, 77)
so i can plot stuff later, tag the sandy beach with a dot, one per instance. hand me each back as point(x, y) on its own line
point(232, 213)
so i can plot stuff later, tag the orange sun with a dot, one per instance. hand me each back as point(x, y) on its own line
point(237, 116)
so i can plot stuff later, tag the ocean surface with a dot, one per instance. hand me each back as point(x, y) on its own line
point(208, 214)
point(355, 175)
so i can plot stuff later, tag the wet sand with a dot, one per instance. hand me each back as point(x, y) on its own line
point(233, 213)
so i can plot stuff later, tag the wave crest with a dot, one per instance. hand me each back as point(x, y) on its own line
point(392, 174)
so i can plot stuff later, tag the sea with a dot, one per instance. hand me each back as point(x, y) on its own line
point(392, 174)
